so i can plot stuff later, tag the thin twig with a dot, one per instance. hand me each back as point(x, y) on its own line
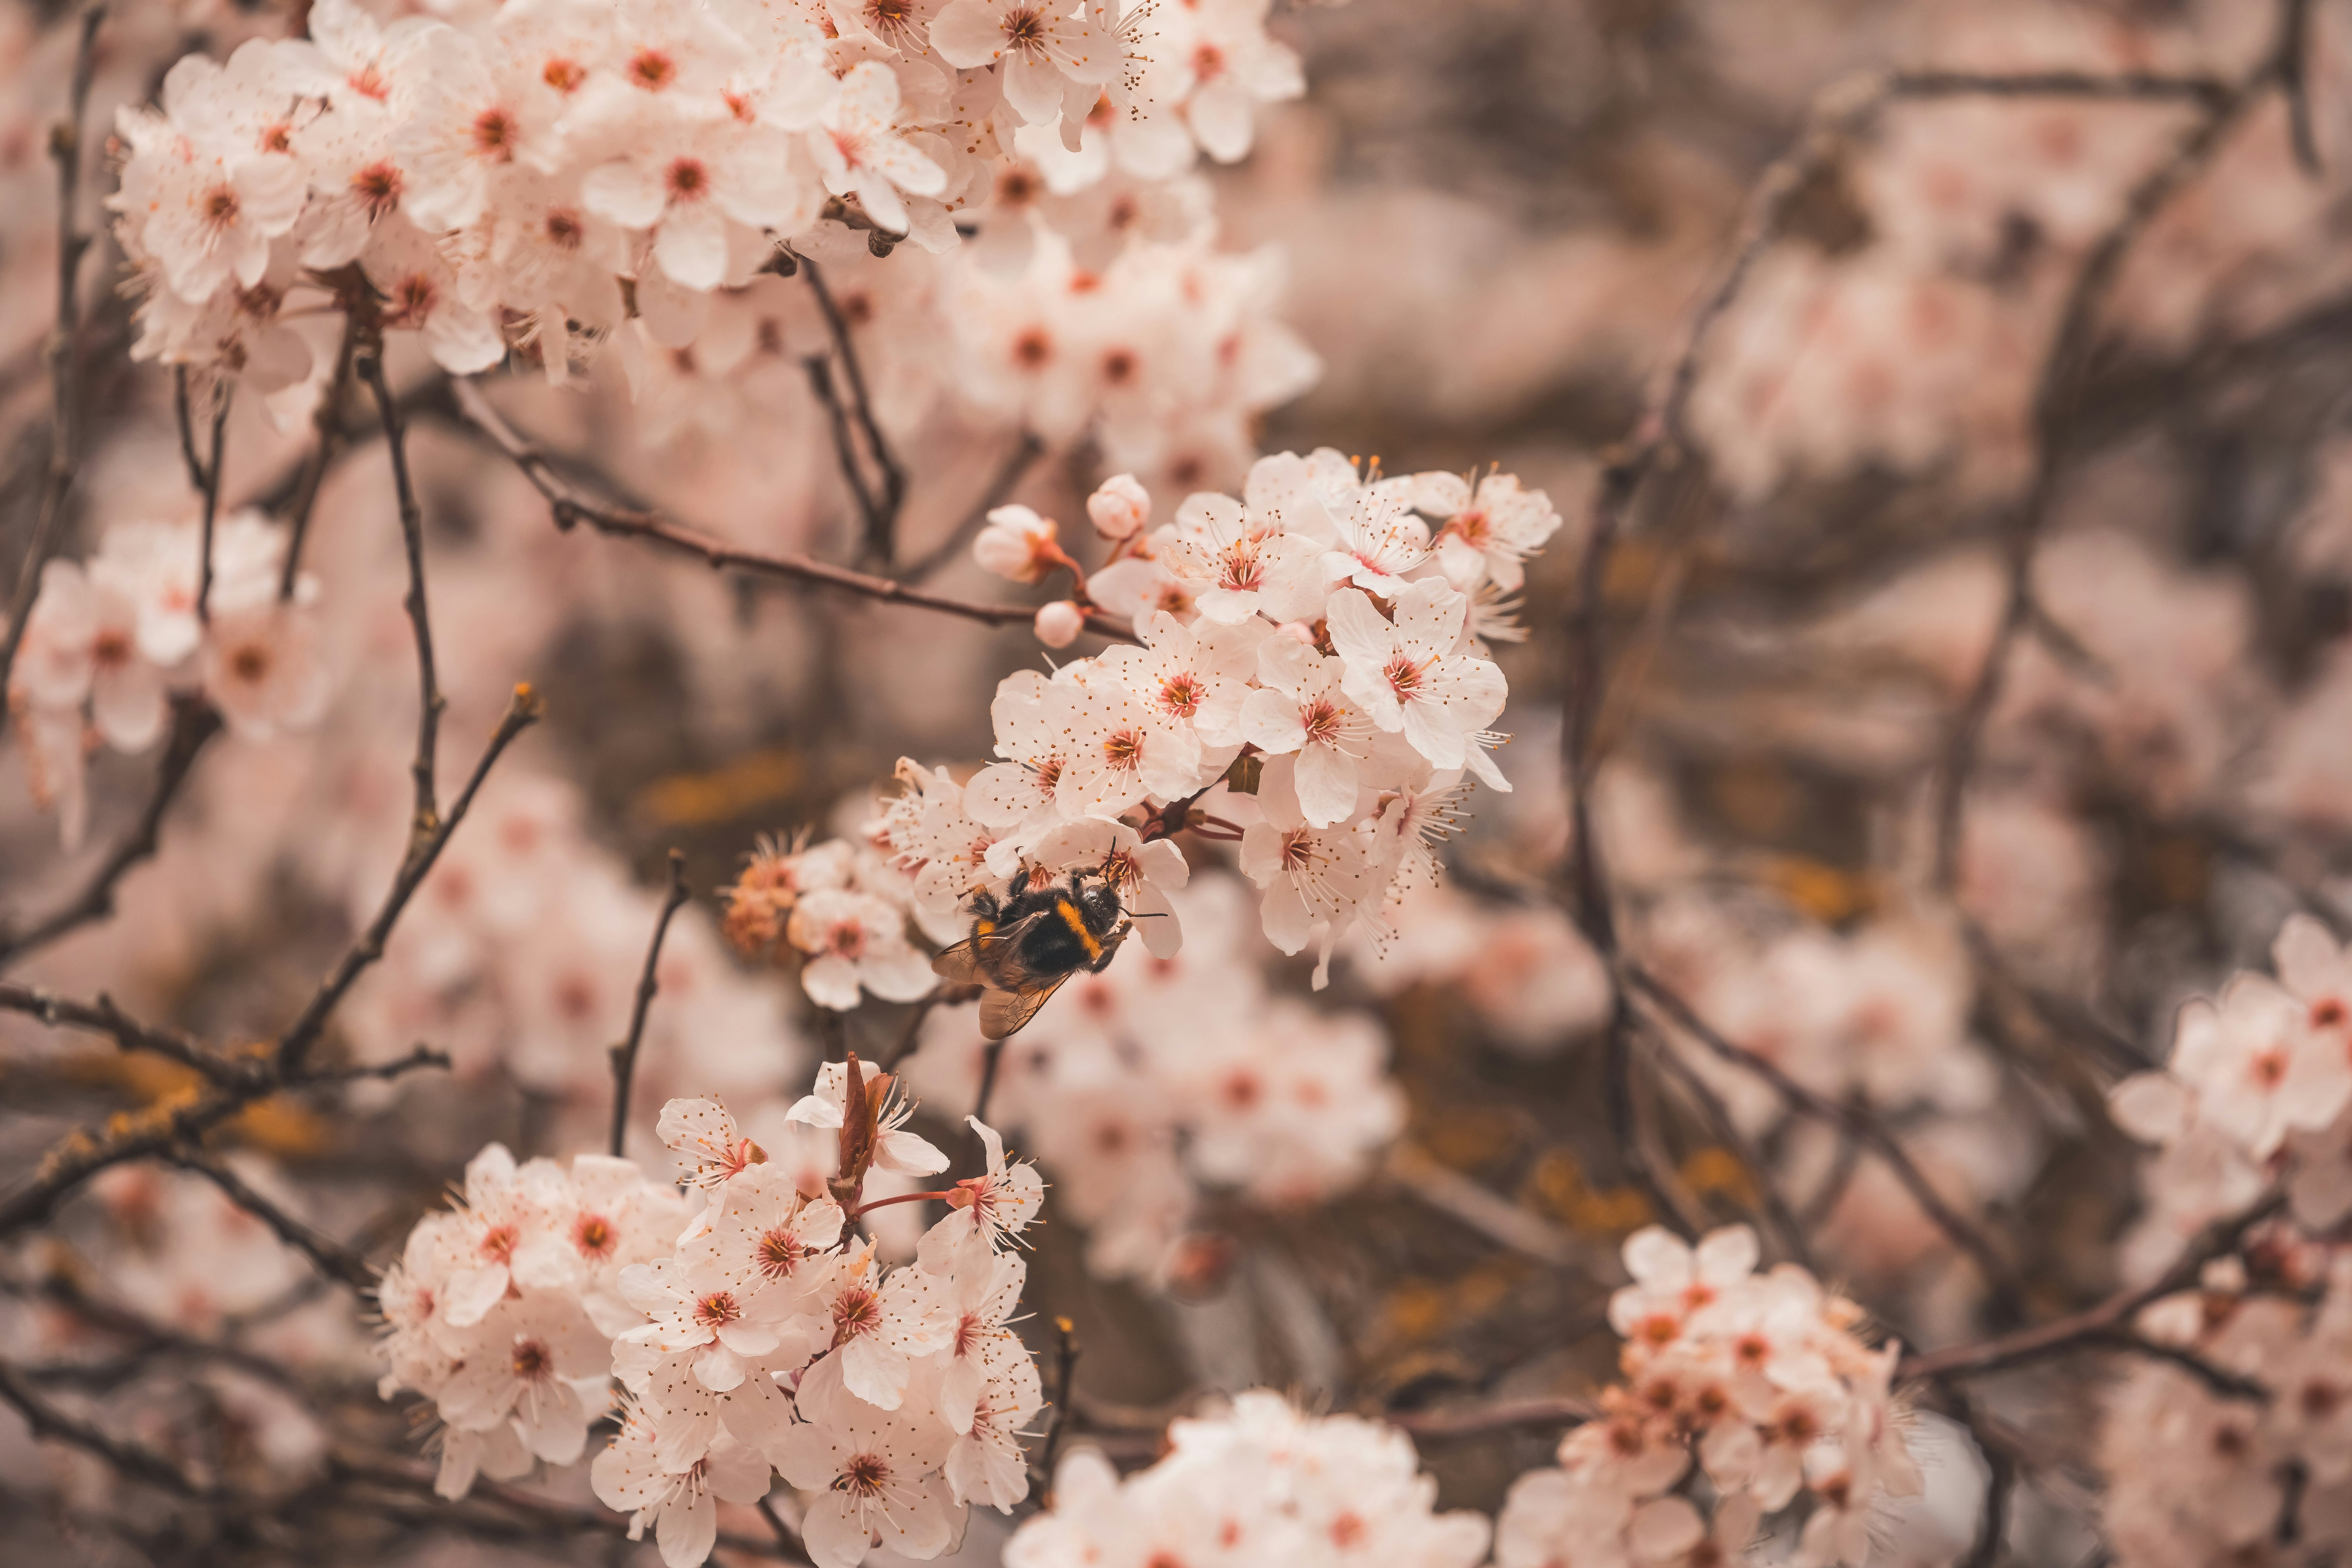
point(326, 423)
point(1065, 1366)
point(2065, 369)
point(990, 1056)
point(477, 413)
point(65, 149)
point(104, 1017)
point(1016, 463)
point(212, 489)
point(1488, 1212)
point(1857, 1123)
point(787, 1539)
point(1788, 1230)
point(844, 447)
point(330, 1257)
point(2093, 1323)
point(523, 710)
point(625, 1055)
point(429, 700)
point(193, 722)
point(127, 1458)
point(1502, 1415)
point(183, 417)
point(882, 520)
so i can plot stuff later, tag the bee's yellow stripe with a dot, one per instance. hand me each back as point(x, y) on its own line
point(1077, 923)
point(981, 927)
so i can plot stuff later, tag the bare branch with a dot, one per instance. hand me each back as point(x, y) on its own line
point(2096, 1323)
point(475, 410)
point(212, 488)
point(429, 700)
point(1016, 463)
point(65, 366)
point(424, 845)
point(1502, 1415)
point(194, 723)
point(845, 447)
point(128, 1459)
point(882, 517)
point(1857, 1123)
point(327, 421)
point(104, 1017)
point(625, 1055)
point(331, 1258)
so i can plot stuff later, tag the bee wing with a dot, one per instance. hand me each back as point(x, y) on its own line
point(959, 965)
point(1004, 1012)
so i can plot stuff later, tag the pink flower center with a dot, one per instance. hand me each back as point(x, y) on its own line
point(718, 1310)
point(1123, 750)
point(564, 76)
point(1405, 678)
point(498, 1242)
point(592, 1236)
point(378, 188)
point(780, 1252)
point(846, 940)
point(494, 135)
point(855, 1312)
point(687, 180)
point(1182, 694)
point(533, 1360)
point(1321, 719)
point(652, 69)
point(864, 1476)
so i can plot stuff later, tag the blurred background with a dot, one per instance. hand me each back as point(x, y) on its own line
point(1492, 224)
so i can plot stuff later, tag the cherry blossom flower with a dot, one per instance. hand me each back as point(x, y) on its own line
point(701, 1308)
point(532, 1360)
point(703, 1131)
point(2259, 1067)
point(860, 154)
point(1300, 707)
point(1236, 566)
point(1121, 747)
point(1142, 873)
point(1487, 534)
point(985, 1212)
point(1407, 676)
point(681, 1504)
point(1019, 545)
point(1120, 507)
point(772, 1241)
point(1197, 676)
point(1317, 879)
point(1042, 50)
point(854, 940)
point(875, 1475)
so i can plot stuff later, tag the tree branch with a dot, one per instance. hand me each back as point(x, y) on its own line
point(474, 410)
point(104, 1017)
point(194, 723)
point(327, 422)
point(331, 1258)
point(65, 149)
point(625, 1055)
point(429, 700)
point(882, 517)
point(1016, 463)
point(126, 1458)
point(212, 487)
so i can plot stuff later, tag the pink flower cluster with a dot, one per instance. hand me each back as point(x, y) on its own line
point(1329, 625)
point(749, 1326)
point(2259, 1087)
point(1760, 1378)
point(1260, 1483)
point(109, 640)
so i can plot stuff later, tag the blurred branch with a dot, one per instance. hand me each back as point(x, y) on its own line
point(425, 847)
point(104, 1017)
point(1856, 1122)
point(211, 493)
point(883, 512)
point(193, 722)
point(125, 1458)
point(184, 419)
point(2102, 1322)
point(1482, 1210)
point(2057, 398)
point(475, 410)
point(327, 427)
point(625, 1055)
point(429, 700)
point(1025, 452)
point(845, 449)
point(1566, 1410)
point(65, 366)
point(330, 1257)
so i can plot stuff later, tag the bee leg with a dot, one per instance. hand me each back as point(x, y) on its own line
point(1020, 883)
point(1110, 948)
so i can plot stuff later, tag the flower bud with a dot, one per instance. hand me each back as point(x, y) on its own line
point(1017, 543)
point(1120, 508)
point(1059, 623)
point(1300, 630)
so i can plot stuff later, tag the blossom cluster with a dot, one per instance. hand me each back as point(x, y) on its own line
point(2259, 1085)
point(751, 1329)
point(841, 910)
point(1259, 1483)
point(111, 640)
point(1327, 632)
point(1160, 1077)
point(2199, 1474)
point(552, 170)
point(1761, 1380)
point(526, 954)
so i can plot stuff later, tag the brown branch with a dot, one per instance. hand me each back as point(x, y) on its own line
point(1787, 1231)
point(625, 1055)
point(882, 520)
point(185, 419)
point(326, 421)
point(194, 723)
point(127, 1458)
point(331, 1258)
point(1016, 463)
point(844, 447)
point(212, 487)
point(2065, 369)
point(475, 412)
point(2096, 1323)
point(424, 845)
point(104, 1017)
point(429, 700)
point(65, 149)
point(1065, 1367)
point(1857, 1123)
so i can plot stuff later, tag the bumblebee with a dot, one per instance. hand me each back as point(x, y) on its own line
point(1024, 945)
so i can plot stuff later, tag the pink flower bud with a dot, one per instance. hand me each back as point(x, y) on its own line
point(1120, 508)
point(1059, 623)
point(1017, 543)
point(1298, 629)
